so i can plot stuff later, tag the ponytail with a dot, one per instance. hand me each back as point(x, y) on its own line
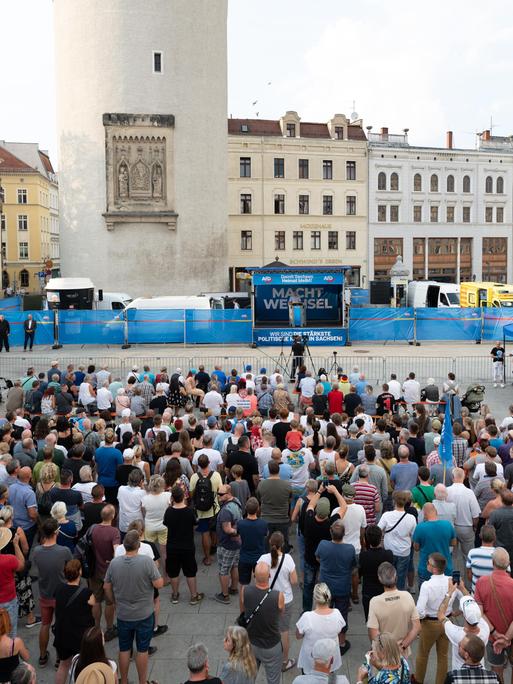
point(276, 542)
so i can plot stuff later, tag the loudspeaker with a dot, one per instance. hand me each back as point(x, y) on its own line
point(380, 292)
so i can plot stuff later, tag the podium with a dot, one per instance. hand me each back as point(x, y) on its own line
point(297, 315)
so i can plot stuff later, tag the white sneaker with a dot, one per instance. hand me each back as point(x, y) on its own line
point(495, 384)
point(502, 385)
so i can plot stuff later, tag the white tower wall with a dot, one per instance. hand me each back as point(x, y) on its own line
point(104, 56)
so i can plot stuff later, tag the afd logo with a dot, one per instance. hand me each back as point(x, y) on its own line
point(329, 279)
point(267, 279)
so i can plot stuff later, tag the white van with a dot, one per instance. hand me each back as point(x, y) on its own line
point(176, 302)
point(113, 301)
point(428, 293)
point(80, 293)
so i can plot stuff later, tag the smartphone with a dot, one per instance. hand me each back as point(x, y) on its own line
point(456, 576)
point(325, 481)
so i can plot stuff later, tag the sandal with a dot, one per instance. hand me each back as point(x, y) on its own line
point(207, 561)
point(43, 660)
point(355, 599)
point(288, 665)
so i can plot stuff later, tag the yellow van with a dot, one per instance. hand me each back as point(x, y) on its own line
point(486, 294)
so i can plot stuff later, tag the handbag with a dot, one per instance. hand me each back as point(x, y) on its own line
point(244, 621)
point(498, 604)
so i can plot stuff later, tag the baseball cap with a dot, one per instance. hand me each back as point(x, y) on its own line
point(323, 508)
point(263, 371)
point(232, 409)
point(211, 421)
point(470, 609)
point(349, 491)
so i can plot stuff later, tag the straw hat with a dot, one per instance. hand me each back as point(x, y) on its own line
point(96, 673)
point(5, 537)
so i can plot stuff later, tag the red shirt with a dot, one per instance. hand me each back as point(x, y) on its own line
point(8, 566)
point(489, 600)
point(336, 401)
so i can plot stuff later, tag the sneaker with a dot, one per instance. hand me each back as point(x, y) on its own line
point(174, 598)
point(36, 622)
point(495, 384)
point(221, 598)
point(502, 385)
point(345, 648)
point(233, 592)
point(161, 629)
point(111, 633)
point(152, 650)
point(196, 599)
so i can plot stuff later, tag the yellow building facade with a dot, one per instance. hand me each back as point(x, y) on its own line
point(29, 217)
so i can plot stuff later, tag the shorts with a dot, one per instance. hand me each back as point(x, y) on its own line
point(181, 560)
point(227, 559)
point(285, 618)
point(342, 603)
point(205, 524)
point(47, 608)
point(96, 586)
point(498, 659)
point(142, 630)
point(306, 401)
point(157, 537)
point(355, 569)
point(246, 572)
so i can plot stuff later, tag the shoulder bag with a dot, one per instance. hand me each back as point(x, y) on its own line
point(244, 621)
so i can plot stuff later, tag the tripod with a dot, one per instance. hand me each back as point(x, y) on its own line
point(334, 368)
point(307, 350)
point(282, 361)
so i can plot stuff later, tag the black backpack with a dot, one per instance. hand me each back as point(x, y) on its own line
point(84, 552)
point(203, 493)
point(44, 502)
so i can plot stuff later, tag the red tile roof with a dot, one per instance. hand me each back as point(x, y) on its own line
point(272, 128)
point(8, 162)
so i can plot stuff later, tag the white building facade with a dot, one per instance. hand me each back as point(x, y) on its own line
point(446, 211)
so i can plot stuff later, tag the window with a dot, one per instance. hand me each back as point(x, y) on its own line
point(304, 204)
point(327, 205)
point(500, 185)
point(303, 168)
point(488, 214)
point(499, 214)
point(433, 185)
point(315, 239)
point(466, 215)
point(22, 196)
point(22, 222)
point(297, 239)
point(3, 222)
point(417, 182)
point(332, 239)
point(417, 213)
point(489, 184)
point(246, 240)
point(450, 183)
point(279, 167)
point(157, 63)
point(450, 214)
point(382, 213)
point(327, 169)
point(245, 167)
point(24, 278)
point(434, 215)
point(339, 135)
point(279, 204)
point(351, 205)
point(4, 250)
point(394, 213)
point(394, 181)
point(466, 183)
point(23, 250)
point(245, 203)
point(279, 240)
point(350, 170)
point(350, 239)
point(291, 130)
point(3, 195)
point(382, 180)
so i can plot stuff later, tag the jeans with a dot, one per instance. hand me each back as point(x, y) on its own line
point(401, 564)
point(301, 549)
point(308, 585)
point(342, 604)
point(12, 608)
point(270, 658)
point(29, 340)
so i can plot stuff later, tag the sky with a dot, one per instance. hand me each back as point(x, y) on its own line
point(429, 67)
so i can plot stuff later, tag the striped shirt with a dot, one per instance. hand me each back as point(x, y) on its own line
point(479, 561)
point(366, 495)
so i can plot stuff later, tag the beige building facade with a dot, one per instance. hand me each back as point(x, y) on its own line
point(297, 192)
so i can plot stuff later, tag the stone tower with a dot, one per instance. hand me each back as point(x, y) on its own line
point(142, 124)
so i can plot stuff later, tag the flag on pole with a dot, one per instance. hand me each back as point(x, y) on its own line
point(445, 446)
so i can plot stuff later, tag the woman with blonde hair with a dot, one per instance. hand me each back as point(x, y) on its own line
point(386, 660)
point(497, 486)
point(10, 649)
point(281, 398)
point(143, 466)
point(48, 479)
point(241, 667)
point(154, 506)
point(67, 535)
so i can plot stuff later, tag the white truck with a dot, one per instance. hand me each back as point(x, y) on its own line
point(429, 293)
point(80, 293)
point(173, 302)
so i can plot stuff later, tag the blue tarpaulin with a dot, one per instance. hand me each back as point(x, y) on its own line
point(10, 304)
point(91, 327)
point(226, 326)
point(44, 329)
point(448, 324)
point(387, 325)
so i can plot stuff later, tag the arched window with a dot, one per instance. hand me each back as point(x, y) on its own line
point(489, 184)
point(24, 278)
point(394, 181)
point(466, 183)
point(500, 185)
point(417, 182)
point(434, 183)
point(450, 183)
point(382, 180)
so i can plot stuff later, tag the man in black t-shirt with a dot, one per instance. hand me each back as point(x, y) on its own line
point(245, 458)
point(202, 379)
point(280, 429)
point(197, 662)
point(385, 401)
point(497, 354)
point(298, 350)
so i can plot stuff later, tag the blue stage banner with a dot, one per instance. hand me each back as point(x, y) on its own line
point(323, 303)
point(44, 328)
point(448, 324)
point(285, 278)
point(267, 337)
point(387, 325)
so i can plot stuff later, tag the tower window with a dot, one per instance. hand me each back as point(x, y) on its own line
point(157, 62)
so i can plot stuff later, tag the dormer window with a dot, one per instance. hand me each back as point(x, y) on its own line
point(291, 130)
point(339, 133)
point(244, 128)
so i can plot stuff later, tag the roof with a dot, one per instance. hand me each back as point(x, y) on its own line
point(45, 160)
point(270, 127)
point(8, 162)
point(300, 269)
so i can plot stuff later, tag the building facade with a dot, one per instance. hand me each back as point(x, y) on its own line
point(446, 211)
point(29, 217)
point(297, 192)
point(141, 108)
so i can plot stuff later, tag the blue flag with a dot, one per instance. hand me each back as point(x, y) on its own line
point(445, 447)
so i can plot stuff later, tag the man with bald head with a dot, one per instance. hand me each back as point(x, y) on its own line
point(24, 450)
point(494, 595)
point(433, 536)
point(264, 625)
point(23, 501)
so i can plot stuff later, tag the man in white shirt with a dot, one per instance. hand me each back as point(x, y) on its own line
point(130, 500)
point(104, 399)
point(275, 378)
point(267, 425)
point(301, 460)
point(263, 454)
point(355, 522)
point(307, 388)
point(367, 420)
point(504, 426)
point(467, 511)
point(213, 402)
point(474, 622)
point(431, 595)
point(411, 390)
point(103, 376)
point(398, 527)
point(394, 386)
point(215, 460)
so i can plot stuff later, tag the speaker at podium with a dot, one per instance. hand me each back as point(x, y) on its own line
point(297, 312)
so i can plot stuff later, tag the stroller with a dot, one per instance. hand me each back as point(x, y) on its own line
point(473, 397)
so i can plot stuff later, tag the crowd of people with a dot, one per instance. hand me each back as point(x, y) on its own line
point(325, 489)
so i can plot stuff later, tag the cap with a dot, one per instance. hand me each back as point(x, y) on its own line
point(353, 428)
point(193, 371)
point(128, 454)
point(5, 537)
point(96, 673)
point(436, 424)
point(232, 409)
point(135, 368)
point(211, 421)
point(349, 491)
point(55, 363)
point(436, 440)
point(263, 371)
point(248, 367)
point(126, 413)
point(323, 507)
point(293, 442)
point(324, 649)
point(470, 609)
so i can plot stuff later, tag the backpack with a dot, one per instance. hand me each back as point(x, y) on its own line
point(84, 552)
point(203, 497)
point(44, 502)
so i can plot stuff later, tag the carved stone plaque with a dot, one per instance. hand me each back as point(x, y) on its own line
point(139, 169)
